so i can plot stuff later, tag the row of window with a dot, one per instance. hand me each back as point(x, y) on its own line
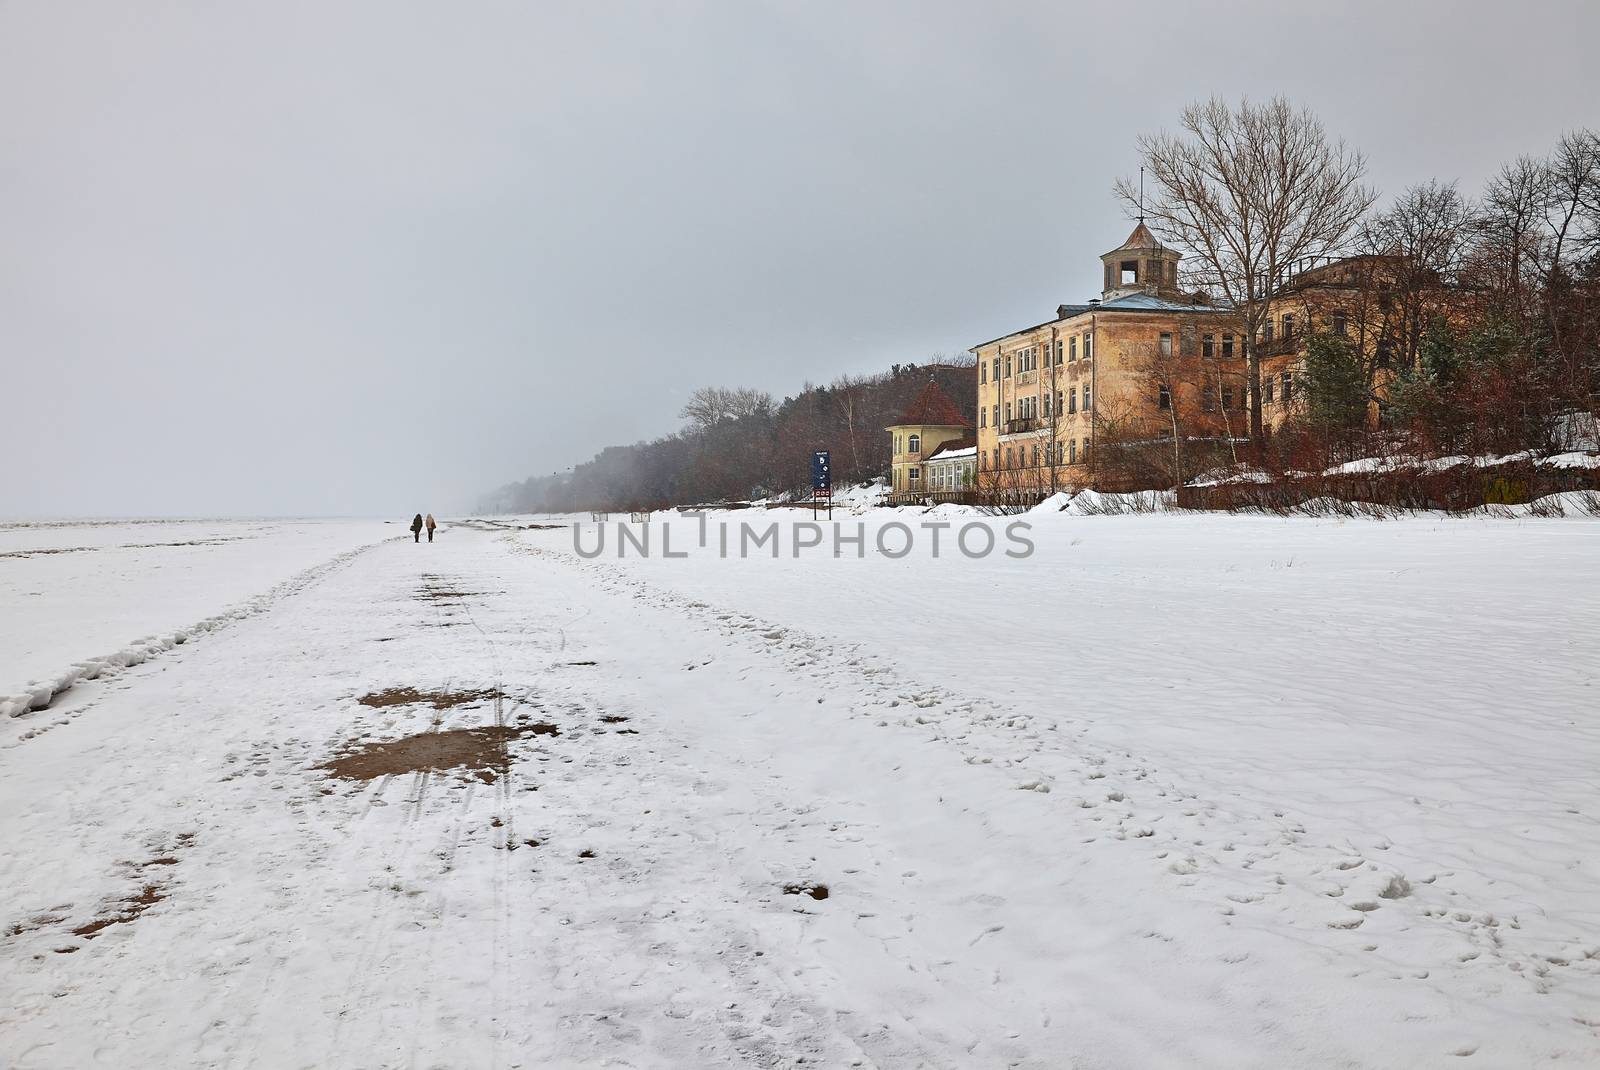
point(1059, 351)
point(944, 477)
point(1338, 322)
point(1043, 454)
point(1066, 402)
point(1026, 360)
point(1208, 394)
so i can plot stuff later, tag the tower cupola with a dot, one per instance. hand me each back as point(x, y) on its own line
point(1141, 265)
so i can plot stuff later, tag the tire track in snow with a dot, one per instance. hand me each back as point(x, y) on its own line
point(1246, 862)
point(38, 696)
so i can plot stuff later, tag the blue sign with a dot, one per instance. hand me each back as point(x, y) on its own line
point(821, 471)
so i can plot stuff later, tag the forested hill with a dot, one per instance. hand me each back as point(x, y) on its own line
point(740, 444)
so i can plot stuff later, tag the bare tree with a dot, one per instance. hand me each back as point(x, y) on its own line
point(1422, 240)
point(1248, 192)
point(1573, 196)
point(711, 405)
point(1511, 227)
point(1218, 377)
point(1572, 214)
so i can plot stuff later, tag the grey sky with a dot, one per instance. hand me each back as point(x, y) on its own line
point(378, 258)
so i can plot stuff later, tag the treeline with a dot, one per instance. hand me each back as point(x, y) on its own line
point(1498, 301)
point(739, 444)
point(1445, 323)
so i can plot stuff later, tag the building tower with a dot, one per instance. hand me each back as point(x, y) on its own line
point(1141, 265)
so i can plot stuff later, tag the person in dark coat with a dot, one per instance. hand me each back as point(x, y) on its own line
point(416, 528)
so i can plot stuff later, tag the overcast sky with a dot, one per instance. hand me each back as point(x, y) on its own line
point(380, 257)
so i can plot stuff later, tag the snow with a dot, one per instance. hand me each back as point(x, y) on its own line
point(1054, 503)
point(95, 596)
point(1230, 475)
point(862, 496)
point(1099, 503)
point(951, 510)
point(1176, 790)
point(1366, 465)
point(1572, 460)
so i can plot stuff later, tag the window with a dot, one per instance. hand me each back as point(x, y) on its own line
point(983, 417)
point(1072, 401)
point(996, 462)
point(1008, 367)
point(1227, 398)
point(1129, 270)
point(1072, 349)
point(1059, 409)
point(1207, 345)
point(1288, 325)
point(1227, 346)
point(1266, 331)
point(1086, 397)
point(1340, 322)
point(1008, 412)
point(997, 369)
point(1208, 399)
point(1036, 455)
point(995, 419)
point(1088, 346)
point(1011, 458)
point(1058, 351)
point(915, 475)
point(1166, 344)
point(1072, 452)
point(914, 444)
point(1286, 381)
point(1266, 384)
point(983, 373)
point(1047, 405)
point(1164, 396)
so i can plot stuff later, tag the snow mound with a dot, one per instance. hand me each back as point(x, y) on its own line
point(1053, 504)
point(1229, 475)
point(1095, 503)
point(951, 509)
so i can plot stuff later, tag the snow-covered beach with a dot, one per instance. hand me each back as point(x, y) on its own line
point(1174, 790)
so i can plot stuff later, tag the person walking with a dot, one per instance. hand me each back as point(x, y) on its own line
point(431, 526)
point(416, 528)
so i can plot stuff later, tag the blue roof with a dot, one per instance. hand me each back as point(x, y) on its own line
point(1135, 302)
point(1143, 302)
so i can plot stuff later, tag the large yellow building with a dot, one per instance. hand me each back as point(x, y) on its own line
point(1379, 305)
point(1142, 362)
